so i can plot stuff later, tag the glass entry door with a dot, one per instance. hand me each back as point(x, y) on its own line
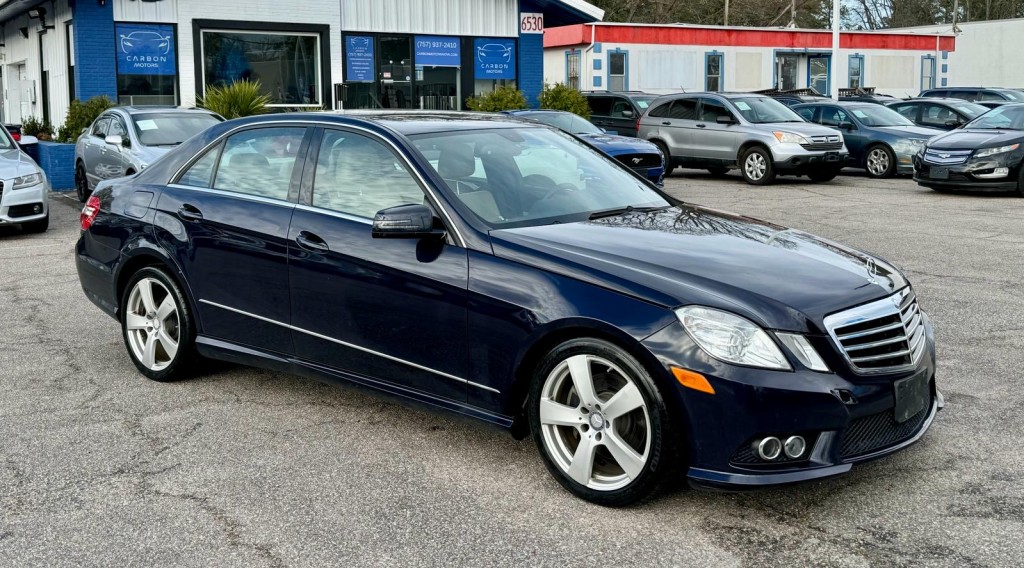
point(438, 88)
point(395, 73)
point(818, 73)
point(786, 72)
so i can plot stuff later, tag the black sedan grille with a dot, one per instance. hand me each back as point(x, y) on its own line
point(883, 335)
point(946, 157)
point(640, 160)
point(877, 432)
point(819, 143)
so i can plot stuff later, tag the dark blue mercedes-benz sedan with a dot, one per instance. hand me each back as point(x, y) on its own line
point(510, 272)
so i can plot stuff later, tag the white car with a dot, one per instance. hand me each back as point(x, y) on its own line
point(24, 189)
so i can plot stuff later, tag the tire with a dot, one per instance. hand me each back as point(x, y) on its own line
point(823, 176)
point(81, 183)
point(756, 166)
point(880, 162)
point(631, 454)
point(669, 167)
point(153, 327)
point(39, 226)
point(1020, 183)
point(718, 172)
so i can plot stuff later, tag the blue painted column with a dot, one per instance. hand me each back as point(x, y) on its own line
point(95, 56)
point(531, 60)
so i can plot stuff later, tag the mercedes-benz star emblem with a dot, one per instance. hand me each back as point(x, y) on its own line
point(872, 269)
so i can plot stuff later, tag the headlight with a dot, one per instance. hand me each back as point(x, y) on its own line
point(27, 181)
point(789, 138)
point(730, 338)
point(993, 151)
point(803, 351)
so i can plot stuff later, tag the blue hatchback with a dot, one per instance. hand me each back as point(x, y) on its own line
point(509, 272)
point(641, 156)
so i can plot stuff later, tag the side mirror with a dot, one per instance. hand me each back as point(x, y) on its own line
point(847, 126)
point(26, 140)
point(114, 140)
point(628, 113)
point(725, 119)
point(413, 221)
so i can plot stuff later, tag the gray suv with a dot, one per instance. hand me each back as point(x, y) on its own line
point(757, 134)
point(125, 140)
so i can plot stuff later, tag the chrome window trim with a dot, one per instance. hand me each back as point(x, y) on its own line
point(427, 188)
point(333, 213)
point(238, 194)
point(889, 306)
point(351, 345)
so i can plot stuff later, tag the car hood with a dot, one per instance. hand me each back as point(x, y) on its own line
point(910, 132)
point(614, 144)
point(965, 139)
point(14, 163)
point(780, 278)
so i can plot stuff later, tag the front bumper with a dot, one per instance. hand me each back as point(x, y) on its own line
point(750, 404)
point(793, 158)
point(23, 205)
point(656, 175)
point(977, 174)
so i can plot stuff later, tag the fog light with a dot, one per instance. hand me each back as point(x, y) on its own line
point(37, 209)
point(993, 174)
point(769, 448)
point(795, 446)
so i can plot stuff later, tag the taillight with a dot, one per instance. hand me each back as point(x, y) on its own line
point(16, 136)
point(89, 212)
point(638, 126)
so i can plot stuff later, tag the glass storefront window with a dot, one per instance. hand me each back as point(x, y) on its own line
point(146, 64)
point(286, 65)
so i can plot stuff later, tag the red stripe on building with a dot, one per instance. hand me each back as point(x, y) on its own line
point(728, 37)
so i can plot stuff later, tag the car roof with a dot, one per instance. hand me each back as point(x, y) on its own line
point(938, 100)
point(135, 110)
point(406, 122)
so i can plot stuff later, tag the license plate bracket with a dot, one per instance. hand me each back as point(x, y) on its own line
point(939, 173)
point(912, 396)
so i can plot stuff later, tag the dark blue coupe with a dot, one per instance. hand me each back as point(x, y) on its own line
point(510, 272)
point(641, 156)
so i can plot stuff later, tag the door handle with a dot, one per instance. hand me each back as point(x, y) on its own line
point(702, 125)
point(190, 213)
point(666, 123)
point(311, 242)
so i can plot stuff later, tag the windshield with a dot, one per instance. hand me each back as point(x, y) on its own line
point(1013, 95)
point(643, 102)
point(970, 110)
point(761, 110)
point(1009, 117)
point(565, 121)
point(6, 143)
point(516, 177)
point(878, 115)
point(170, 129)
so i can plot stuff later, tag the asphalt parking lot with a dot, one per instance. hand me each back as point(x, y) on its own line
point(244, 467)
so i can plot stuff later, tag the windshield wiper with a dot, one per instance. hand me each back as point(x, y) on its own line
point(623, 210)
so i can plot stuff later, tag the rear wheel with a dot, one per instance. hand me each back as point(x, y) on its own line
point(157, 325)
point(757, 166)
point(81, 183)
point(600, 423)
point(880, 162)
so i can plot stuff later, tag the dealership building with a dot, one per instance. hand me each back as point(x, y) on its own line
point(679, 57)
point(305, 54)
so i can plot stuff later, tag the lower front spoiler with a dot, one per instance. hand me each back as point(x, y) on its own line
point(1000, 186)
point(711, 479)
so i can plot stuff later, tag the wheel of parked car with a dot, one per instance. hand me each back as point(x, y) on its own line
point(757, 166)
point(600, 423)
point(39, 226)
point(157, 325)
point(81, 183)
point(881, 162)
point(823, 176)
point(718, 172)
point(669, 166)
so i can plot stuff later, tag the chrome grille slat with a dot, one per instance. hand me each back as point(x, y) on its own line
point(946, 157)
point(880, 336)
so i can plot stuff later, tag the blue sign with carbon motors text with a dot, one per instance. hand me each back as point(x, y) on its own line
point(359, 59)
point(494, 58)
point(145, 49)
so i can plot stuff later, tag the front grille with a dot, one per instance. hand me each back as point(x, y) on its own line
point(819, 143)
point(946, 157)
point(640, 160)
point(878, 431)
point(882, 335)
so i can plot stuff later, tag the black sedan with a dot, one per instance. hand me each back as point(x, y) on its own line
point(944, 114)
point(985, 155)
point(512, 273)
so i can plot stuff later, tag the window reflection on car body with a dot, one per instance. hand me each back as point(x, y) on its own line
point(623, 210)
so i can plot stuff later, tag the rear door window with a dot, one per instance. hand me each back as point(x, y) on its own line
point(260, 162)
point(683, 109)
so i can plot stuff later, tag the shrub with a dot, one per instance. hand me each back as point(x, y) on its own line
point(41, 129)
point(81, 116)
point(241, 98)
point(502, 98)
point(561, 97)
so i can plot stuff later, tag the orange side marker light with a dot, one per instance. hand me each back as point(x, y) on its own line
point(692, 380)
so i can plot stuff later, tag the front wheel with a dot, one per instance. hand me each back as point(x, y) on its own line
point(81, 183)
point(600, 423)
point(157, 325)
point(757, 166)
point(881, 162)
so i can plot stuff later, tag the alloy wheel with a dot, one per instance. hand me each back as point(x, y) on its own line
point(878, 162)
point(755, 166)
point(595, 424)
point(152, 324)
